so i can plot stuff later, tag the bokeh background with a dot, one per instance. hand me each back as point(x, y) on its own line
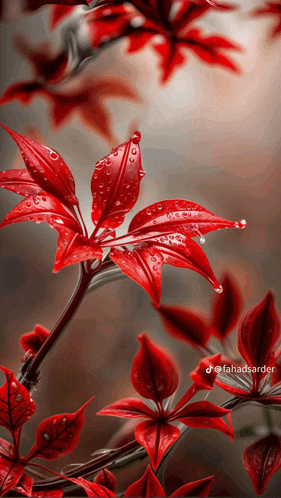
point(208, 135)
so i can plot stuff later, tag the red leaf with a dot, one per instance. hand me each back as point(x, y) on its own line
point(59, 12)
point(10, 474)
point(24, 92)
point(16, 406)
point(91, 488)
point(172, 217)
point(73, 248)
point(206, 415)
point(185, 325)
point(107, 479)
point(24, 485)
point(154, 375)
point(47, 168)
point(144, 263)
point(115, 184)
point(58, 435)
point(257, 336)
point(32, 341)
point(196, 488)
point(20, 182)
point(127, 408)
point(156, 439)
point(205, 374)
point(226, 308)
point(171, 57)
point(43, 207)
point(261, 460)
point(147, 485)
point(274, 9)
point(108, 23)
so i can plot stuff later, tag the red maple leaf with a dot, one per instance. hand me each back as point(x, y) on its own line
point(166, 25)
point(155, 377)
point(271, 9)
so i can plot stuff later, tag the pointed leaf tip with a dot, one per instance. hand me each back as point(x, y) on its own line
point(154, 374)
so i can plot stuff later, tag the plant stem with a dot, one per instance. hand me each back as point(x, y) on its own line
point(28, 375)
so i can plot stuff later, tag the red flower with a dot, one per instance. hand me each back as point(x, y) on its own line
point(271, 9)
point(166, 25)
point(155, 377)
point(161, 233)
point(55, 437)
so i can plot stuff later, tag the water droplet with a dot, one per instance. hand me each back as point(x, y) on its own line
point(131, 159)
point(14, 384)
point(134, 151)
point(108, 162)
point(115, 153)
point(54, 421)
point(58, 220)
point(99, 165)
point(136, 137)
point(100, 184)
point(136, 374)
point(241, 224)
point(202, 239)
point(46, 436)
point(54, 156)
point(28, 204)
point(44, 199)
point(148, 212)
point(149, 386)
point(117, 203)
point(142, 173)
point(64, 420)
point(219, 289)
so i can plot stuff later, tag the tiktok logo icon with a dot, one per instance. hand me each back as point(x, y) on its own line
point(209, 369)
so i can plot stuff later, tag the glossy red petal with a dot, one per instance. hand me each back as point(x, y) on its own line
point(127, 408)
point(16, 406)
point(24, 485)
point(156, 439)
point(47, 168)
point(204, 374)
point(154, 374)
point(32, 341)
point(196, 488)
point(20, 182)
point(107, 479)
point(58, 435)
point(91, 488)
point(115, 184)
point(261, 460)
point(43, 207)
point(73, 248)
point(10, 474)
point(143, 265)
point(257, 336)
point(185, 325)
point(147, 485)
point(226, 308)
point(172, 217)
point(195, 388)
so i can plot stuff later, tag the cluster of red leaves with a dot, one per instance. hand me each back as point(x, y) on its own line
point(167, 24)
point(86, 100)
point(26, 6)
point(155, 377)
point(259, 379)
point(161, 232)
point(147, 485)
point(271, 9)
point(55, 437)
